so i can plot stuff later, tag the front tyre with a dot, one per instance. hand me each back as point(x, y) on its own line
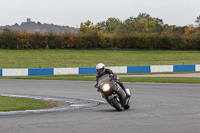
point(116, 104)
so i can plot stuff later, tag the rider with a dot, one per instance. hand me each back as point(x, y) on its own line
point(101, 70)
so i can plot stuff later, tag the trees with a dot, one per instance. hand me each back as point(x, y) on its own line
point(145, 26)
point(142, 23)
point(111, 25)
point(87, 27)
point(88, 37)
point(7, 39)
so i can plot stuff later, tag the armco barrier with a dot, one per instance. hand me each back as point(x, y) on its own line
point(197, 67)
point(162, 68)
point(0, 72)
point(92, 70)
point(138, 69)
point(15, 72)
point(40, 71)
point(87, 70)
point(62, 71)
point(119, 69)
point(184, 68)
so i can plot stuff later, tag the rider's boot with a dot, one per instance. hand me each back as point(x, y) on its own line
point(125, 101)
point(126, 90)
point(128, 94)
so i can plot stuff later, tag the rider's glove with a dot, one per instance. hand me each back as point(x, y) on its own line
point(98, 90)
point(96, 85)
point(111, 77)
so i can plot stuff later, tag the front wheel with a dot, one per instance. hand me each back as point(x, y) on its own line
point(116, 104)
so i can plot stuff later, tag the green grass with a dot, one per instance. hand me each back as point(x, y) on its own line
point(89, 58)
point(16, 104)
point(123, 79)
point(161, 79)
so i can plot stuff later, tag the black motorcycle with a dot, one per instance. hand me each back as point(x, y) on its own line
point(113, 93)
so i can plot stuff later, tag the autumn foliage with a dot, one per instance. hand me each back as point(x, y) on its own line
point(164, 41)
point(143, 32)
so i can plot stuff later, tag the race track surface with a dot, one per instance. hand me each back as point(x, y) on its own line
point(155, 108)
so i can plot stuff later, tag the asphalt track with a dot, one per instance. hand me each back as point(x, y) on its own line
point(155, 108)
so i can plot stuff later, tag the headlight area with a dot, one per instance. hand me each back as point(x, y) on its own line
point(106, 87)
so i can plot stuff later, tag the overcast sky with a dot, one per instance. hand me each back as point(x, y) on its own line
point(73, 12)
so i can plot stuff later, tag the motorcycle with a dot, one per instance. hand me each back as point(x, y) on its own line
point(113, 93)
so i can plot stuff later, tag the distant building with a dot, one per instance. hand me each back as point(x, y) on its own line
point(39, 27)
point(28, 20)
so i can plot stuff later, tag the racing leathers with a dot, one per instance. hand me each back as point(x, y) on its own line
point(113, 76)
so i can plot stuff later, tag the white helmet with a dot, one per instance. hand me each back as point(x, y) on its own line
point(100, 68)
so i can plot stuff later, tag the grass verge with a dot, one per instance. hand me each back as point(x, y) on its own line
point(161, 79)
point(89, 58)
point(123, 79)
point(16, 104)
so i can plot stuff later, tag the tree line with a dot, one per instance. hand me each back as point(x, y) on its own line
point(141, 32)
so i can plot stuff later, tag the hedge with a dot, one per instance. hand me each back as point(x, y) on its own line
point(29, 40)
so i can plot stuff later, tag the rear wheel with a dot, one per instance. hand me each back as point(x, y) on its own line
point(116, 104)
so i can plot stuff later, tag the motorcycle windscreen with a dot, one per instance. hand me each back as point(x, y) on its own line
point(103, 79)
